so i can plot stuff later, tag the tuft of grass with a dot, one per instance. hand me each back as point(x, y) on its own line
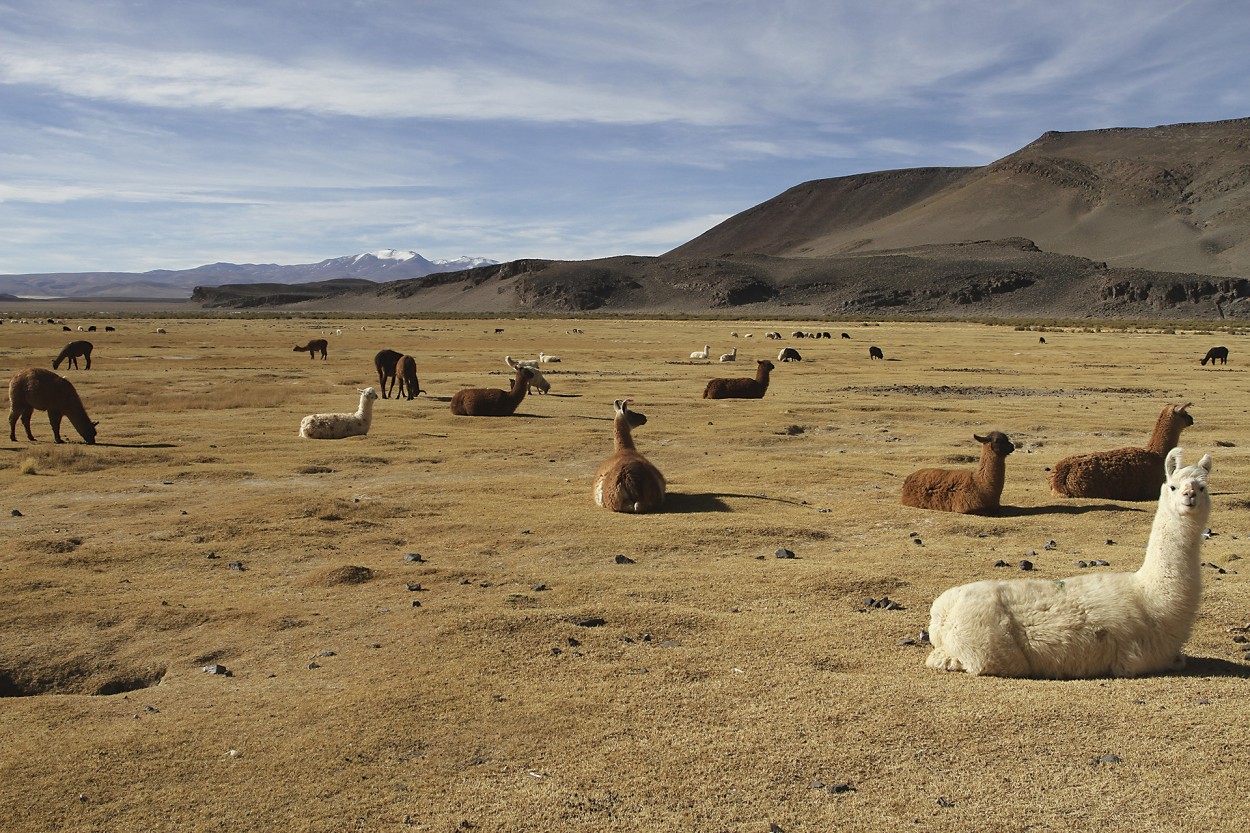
point(29, 466)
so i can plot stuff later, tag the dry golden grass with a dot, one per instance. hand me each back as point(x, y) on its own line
point(532, 683)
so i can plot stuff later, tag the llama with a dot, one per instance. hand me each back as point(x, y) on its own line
point(515, 363)
point(731, 356)
point(741, 388)
point(702, 354)
point(406, 372)
point(71, 352)
point(1092, 625)
point(36, 388)
point(627, 481)
point(338, 426)
point(1216, 354)
point(384, 361)
point(789, 354)
point(492, 401)
point(1122, 473)
point(875, 353)
point(536, 379)
point(967, 492)
point(544, 358)
point(317, 345)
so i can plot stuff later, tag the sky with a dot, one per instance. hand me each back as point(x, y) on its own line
point(168, 134)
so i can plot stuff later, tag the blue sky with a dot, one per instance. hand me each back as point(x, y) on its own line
point(163, 134)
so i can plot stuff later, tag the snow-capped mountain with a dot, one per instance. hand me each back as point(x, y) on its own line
point(381, 265)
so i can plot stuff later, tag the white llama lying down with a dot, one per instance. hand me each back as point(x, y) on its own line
point(338, 426)
point(1093, 625)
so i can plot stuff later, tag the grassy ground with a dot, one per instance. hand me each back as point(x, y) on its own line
point(532, 682)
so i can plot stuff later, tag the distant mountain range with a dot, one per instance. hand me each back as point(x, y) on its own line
point(376, 267)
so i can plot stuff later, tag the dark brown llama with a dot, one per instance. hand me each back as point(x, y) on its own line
point(71, 352)
point(491, 401)
point(741, 388)
point(317, 345)
point(385, 362)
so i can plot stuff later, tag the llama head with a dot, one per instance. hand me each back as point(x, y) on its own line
point(1186, 488)
point(368, 393)
point(998, 442)
point(1182, 411)
point(765, 363)
point(621, 406)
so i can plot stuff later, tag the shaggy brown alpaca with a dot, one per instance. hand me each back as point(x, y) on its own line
point(385, 362)
point(627, 481)
point(741, 388)
point(406, 373)
point(317, 345)
point(36, 388)
point(491, 401)
point(969, 492)
point(72, 351)
point(1123, 473)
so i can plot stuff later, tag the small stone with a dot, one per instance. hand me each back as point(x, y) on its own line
point(917, 542)
point(151, 710)
point(906, 641)
point(413, 586)
point(210, 556)
point(624, 559)
point(574, 642)
point(1110, 542)
point(1050, 545)
point(219, 670)
point(782, 552)
point(313, 665)
point(1031, 553)
point(1082, 564)
point(540, 587)
point(1026, 565)
point(593, 622)
point(17, 513)
point(414, 558)
point(463, 581)
point(913, 535)
point(945, 802)
point(416, 603)
point(237, 566)
point(1001, 563)
point(1110, 759)
point(327, 654)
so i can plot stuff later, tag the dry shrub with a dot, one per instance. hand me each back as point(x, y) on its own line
point(344, 575)
point(67, 457)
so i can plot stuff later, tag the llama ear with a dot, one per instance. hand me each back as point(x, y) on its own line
point(1173, 461)
point(981, 440)
point(1205, 463)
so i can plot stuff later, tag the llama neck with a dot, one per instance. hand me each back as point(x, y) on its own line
point(1167, 433)
point(624, 438)
point(1171, 571)
point(993, 469)
point(761, 375)
point(365, 411)
point(519, 387)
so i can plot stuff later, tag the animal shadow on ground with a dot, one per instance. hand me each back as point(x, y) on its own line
point(1062, 509)
point(1213, 667)
point(137, 445)
point(681, 503)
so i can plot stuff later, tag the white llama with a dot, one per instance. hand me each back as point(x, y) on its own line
point(1097, 624)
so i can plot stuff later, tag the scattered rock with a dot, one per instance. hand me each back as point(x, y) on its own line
point(413, 586)
point(219, 670)
point(1050, 545)
point(624, 559)
point(593, 622)
point(414, 558)
point(346, 575)
point(237, 566)
point(917, 542)
point(945, 802)
point(212, 555)
point(17, 513)
point(541, 587)
point(1001, 563)
point(1109, 758)
point(1110, 542)
point(1082, 564)
point(884, 603)
point(782, 552)
point(1026, 565)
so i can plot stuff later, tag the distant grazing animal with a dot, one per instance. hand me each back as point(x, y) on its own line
point(406, 373)
point(875, 353)
point(732, 355)
point(968, 492)
point(1041, 339)
point(66, 329)
point(846, 335)
point(741, 388)
point(338, 426)
point(91, 329)
point(492, 401)
point(498, 330)
point(543, 357)
point(1123, 473)
point(160, 330)
point(1092, 625)
point(536, 379)
point(110, 329)
point(1219, 354)
point(36, 388)
point(384, 362)
point(789, 354)
point(701, 354)
point(71, 352)
point(798, 334)
point(627, 481)
point(317, 345)
point(773, 336)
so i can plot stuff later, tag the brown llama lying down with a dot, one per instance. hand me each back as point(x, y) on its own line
point(71, 352)
point(627, 481)
point(491, 401)
point(317, 345)
point(1123, 473)
point(385, 362)
point(36, 388)
point(968, 492)
point(741, 388)
point(406, 373)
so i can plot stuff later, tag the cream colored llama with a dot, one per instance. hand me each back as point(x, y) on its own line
point(1092, 625)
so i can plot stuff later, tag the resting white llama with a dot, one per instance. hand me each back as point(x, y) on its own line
point(1093, 625)
point(338, 426)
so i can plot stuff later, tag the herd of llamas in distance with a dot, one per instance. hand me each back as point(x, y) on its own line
point(1096, 624)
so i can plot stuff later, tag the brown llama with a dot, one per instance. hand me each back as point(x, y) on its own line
point(406, 373)
point(385, 362)
point(969, 492)
point(741, 388)
point(36, 388)
point(1123, 473)
point(71, 352)
point(491, 401)
point(317, 345)
point(627, 481)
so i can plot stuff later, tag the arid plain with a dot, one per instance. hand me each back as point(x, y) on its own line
point(519, 676)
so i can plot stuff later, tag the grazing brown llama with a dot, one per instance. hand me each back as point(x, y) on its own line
point(741, 388)
point(967, 492)
point(385, 362)
point(71, 352)
point(1215, 354)
point(875, 353)
point(406, 373)
point(36, 388)
point(491, 401)
point(1123, 473)
point(627, 481)
point(317, 345)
